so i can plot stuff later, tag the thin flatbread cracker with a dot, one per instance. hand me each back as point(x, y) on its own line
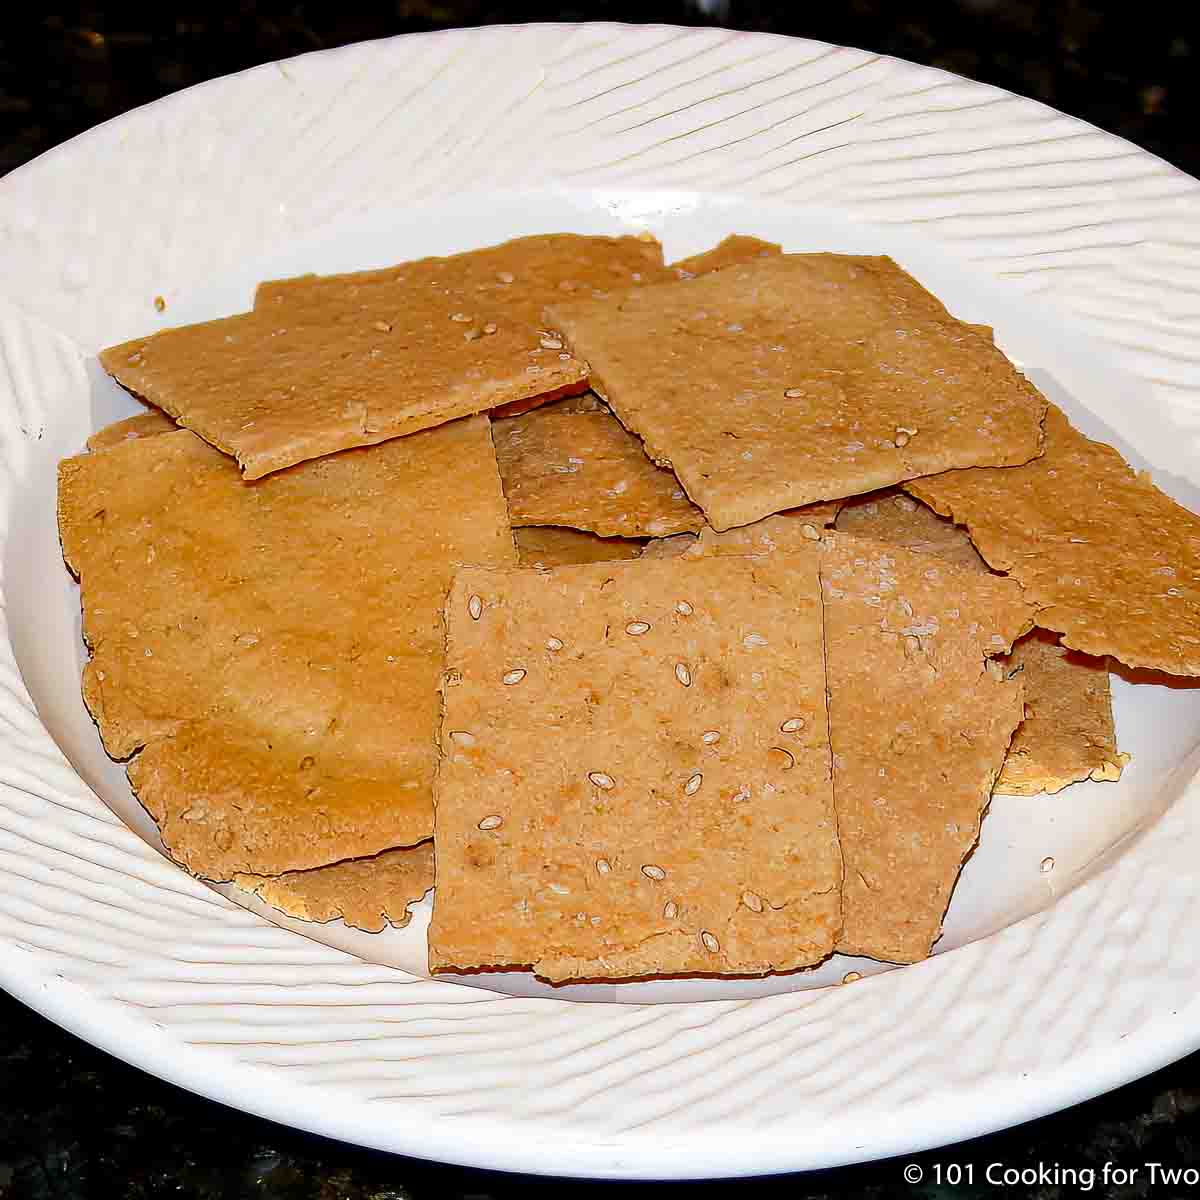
point(920, 724)
point(328, 362)
point(557, 546)
point(799, 378)
point(585, 401)
point(1067, 734)
point(784, 531)
point(669, 547)
point(900, 520)
point(367, 893)
point(1113, 563)
point(736, 248)
point(276, 647)
point(145, 424)
point(635, 772)
point(586, 471)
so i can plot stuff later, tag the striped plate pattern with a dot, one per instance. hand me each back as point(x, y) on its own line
point(104, 935)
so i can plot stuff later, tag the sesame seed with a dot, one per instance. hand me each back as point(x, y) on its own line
point(792, 725)
point(752, 901)
point(637, 628)
point(785, 760)
point(472, 335)
point(711, 737)
point(492, 822)
point(670, 910)
point(653, 872)
point(709, 941)
point(811, 532)
point(461, 317)
point(852, 977)
point(554, 643)
point(754, 639)
point(514, 676)
point(683, 674)
point(684, 609)
point(602, 781)
point(490, 328)
point(382, 326)
point(794, 393)
point(693, 784)
point(506, 276)
point(904, 436)
point(603, 866)
point(550, 344)
point(1047, 865)
point(159, 304)
point(475, 608)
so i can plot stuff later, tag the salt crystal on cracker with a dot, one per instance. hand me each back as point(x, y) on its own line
point(800, 378)
point(589, 824)
point(273, 649)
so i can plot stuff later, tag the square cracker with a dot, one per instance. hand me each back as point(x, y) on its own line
point(736, 248)
point(1112, 561)
point(325, 363)
point(920, 723)
point(586, 826)
point(1067, 733)
point(275, 647)
point(367, 893)
point(557, 546)
point(587, 471)
point(799, 378)
point(140, 425)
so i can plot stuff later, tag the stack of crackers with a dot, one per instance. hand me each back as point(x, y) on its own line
point(676, 620)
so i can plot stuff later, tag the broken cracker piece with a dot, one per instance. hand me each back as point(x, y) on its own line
point(736, 248)
point(1067, 733)
point(328, 362)
point(635, 772)
point(799, 378)
point(366, 893)
point(145, 424)
point(557, 546)
point(1113, 563)
point(275, 647)
point(893, 517)
point(584, 470)
point(920, 723)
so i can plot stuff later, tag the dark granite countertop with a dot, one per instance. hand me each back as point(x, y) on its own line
point(74, 1122)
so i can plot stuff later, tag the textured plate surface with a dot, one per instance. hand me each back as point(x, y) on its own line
point(1082, 251)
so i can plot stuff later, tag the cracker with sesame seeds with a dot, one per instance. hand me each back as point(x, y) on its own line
point(1112, 562)
point(558, 546)
point(271, 651)
point(145, 424)
point(1067, 733)
point(586, 471)
point(784, 531)
point(920, 722)
point(324, 363)
point(366, 893)
point(798, 378)
point(735, 249)
point(635, 771)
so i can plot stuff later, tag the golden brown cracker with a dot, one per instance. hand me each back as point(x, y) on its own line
point(366, 893)
point(798, 378)
point(145, 424)
point(577, 401)
point(328, 362)
point(557, 546)
point(586, 471)
point(1067, 733)
point(735, 249)
point(920, 724)
point(785, 532)
point(670, 547)
point(892, 517)
point(1113, 563)
point(276, 647)
point(635, 771)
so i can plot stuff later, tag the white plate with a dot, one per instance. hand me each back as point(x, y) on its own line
point(1084, 254)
